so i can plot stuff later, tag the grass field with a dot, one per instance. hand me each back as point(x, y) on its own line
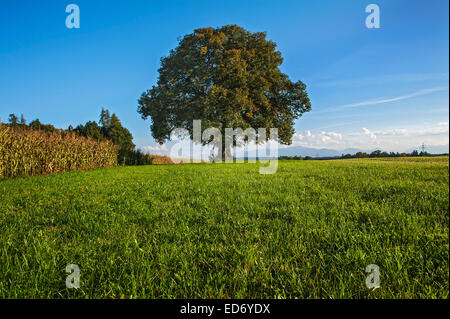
point(225, 231)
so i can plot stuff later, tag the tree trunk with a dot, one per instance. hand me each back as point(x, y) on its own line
point(224, 151)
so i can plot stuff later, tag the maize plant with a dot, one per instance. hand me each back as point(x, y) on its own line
point(24, 151)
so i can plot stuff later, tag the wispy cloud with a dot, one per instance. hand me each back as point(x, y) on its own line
point(385, 100)
point(369, 133)
point(394, 99)
point(375, 80)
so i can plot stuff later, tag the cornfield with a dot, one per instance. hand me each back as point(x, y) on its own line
point(159, 159)
point(24, 151)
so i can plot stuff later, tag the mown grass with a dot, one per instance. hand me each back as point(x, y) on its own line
point(225, 231)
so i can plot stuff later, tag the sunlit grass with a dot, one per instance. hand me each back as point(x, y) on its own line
point(225, 231)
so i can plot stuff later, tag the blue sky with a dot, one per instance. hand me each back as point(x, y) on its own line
point(385, 88)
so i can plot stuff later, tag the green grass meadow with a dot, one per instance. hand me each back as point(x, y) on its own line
point(225, 231)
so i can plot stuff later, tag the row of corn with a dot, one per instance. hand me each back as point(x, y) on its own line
point(24, 151)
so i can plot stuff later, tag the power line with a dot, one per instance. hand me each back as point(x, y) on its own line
point(423, 147)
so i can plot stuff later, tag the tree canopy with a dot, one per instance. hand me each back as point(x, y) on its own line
point(227, 77)
point(119, 134)
point(110, 128)
point(13, 119)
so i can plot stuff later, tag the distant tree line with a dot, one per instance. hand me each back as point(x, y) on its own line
point(379, 153)
point(108, 127)
point(374, 154)
point(295, 157)
point(13, 120)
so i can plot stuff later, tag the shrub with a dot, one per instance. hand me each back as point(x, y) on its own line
point(137, 157)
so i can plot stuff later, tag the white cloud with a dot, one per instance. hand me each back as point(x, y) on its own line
point(156, 150)
point(319, 139)
point(397, 139)
point(441, 128)
point(369, 133)
point(394, 132)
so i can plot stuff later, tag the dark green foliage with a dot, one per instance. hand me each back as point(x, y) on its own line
point(37, 125)
point(379, 154)
point(295, 158)
point(105, 118)
point(119, 135)
point(361, 155)
point(12, 119)
point(111, 128)
point(134, 157)
point(91, 129)
point(22, 122)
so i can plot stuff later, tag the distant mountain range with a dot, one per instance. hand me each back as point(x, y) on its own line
point(324, 152)
point(314, 152)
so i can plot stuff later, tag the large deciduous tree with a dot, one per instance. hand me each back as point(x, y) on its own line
point(227, 77)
